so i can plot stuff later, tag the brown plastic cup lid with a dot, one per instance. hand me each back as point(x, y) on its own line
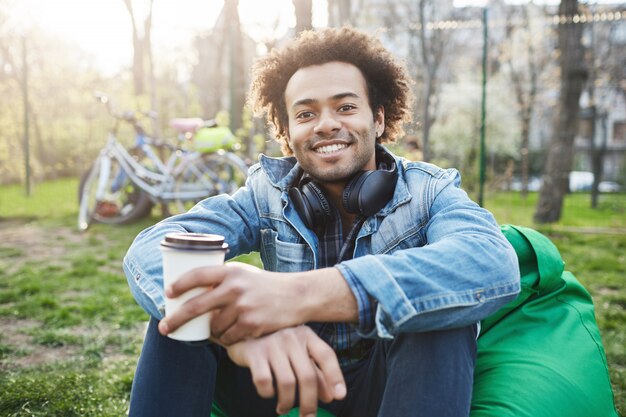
point(194, 241)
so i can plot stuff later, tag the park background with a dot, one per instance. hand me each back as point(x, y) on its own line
point(526, 99)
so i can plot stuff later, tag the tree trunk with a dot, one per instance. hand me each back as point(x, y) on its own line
point(304, 15)
point(426, 61)
point(599, 113)
point(138, 53)
point(524, 155)
point(561, 151)
point(216, 104)
point(432, 47)
point(597, 157)
point(340, 12)
point(147, 43)
point(525, 86)
point(237, 69)
point(45, 150)
point(344, 7)
point(426, 119)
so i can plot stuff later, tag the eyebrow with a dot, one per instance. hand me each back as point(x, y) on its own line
point(336, 97)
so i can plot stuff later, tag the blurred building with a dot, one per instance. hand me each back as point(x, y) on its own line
point(603, 103)
point(603, 116)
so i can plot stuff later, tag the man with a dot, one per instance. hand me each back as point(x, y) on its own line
point(377, 269)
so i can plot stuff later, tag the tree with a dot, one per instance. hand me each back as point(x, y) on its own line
point(10, 91)
point(606, 74)
point(60, 81)
point(211, 72)
point(598, 151)
point(237, 64)
point(141, 39)
point(427, 47)
point(523, 66)
point(220, 75)
point(458, 127)
point(561, 150)
point(304, 15)
point(428, 42)
point(142, 57)
point(344, 12)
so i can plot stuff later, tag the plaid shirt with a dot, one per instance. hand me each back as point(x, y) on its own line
point(343, 337)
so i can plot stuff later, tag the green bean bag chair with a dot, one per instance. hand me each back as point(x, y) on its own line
point(541, 355)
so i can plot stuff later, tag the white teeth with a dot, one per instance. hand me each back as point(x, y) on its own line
point(331, 148)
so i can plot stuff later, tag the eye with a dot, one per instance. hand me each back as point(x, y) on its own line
point(304, 115)
point(347, 107)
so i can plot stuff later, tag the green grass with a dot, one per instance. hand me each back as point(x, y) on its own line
point(70, 332)
point(509, 207)
point(51, 201)
point(81, 388)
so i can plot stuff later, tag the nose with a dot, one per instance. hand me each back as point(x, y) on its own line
point(327, 124)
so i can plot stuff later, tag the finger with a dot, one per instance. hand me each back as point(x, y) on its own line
point(285, 381)
point(192, 308)
point(306, 376)
point(326, 360)
point(222, 320)
point(262, 378)
point(235, 334)
point(206, 276)
point(324, 392)
point(245, 326)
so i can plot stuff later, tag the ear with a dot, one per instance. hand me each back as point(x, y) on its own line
point(379, 121)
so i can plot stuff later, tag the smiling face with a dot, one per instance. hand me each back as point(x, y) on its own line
point(332, 129)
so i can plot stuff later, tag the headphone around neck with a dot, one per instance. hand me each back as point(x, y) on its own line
point(365, 194)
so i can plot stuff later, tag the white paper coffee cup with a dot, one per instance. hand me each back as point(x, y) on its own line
point(183, 252)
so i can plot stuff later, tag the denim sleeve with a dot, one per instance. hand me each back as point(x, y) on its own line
point(235, 217)
point(366, 303)
point(466, 271)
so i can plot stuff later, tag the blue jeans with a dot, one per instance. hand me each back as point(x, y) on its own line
point(416, 374)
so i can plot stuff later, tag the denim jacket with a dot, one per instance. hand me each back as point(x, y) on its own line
point(430, 259)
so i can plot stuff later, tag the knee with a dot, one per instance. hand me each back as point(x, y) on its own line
point(163, 349)
point(449, 343)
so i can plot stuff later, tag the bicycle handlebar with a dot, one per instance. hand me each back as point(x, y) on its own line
point(126, 116)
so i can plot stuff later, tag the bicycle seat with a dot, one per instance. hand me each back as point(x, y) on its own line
point(186, 125)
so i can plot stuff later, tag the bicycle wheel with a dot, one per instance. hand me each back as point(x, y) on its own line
point(107, 195)
point(230, 169)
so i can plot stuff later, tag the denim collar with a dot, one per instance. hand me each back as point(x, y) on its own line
point(280, 171)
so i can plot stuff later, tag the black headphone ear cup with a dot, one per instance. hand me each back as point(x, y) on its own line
point(369, 191)
point(352, 192)
point(377, 190)
point(312, 206)
point(302, 207)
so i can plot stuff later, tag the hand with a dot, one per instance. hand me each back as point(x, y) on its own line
point(288, 358)
point(247, 302)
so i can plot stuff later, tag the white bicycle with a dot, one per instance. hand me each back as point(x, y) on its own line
point(122, 186)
